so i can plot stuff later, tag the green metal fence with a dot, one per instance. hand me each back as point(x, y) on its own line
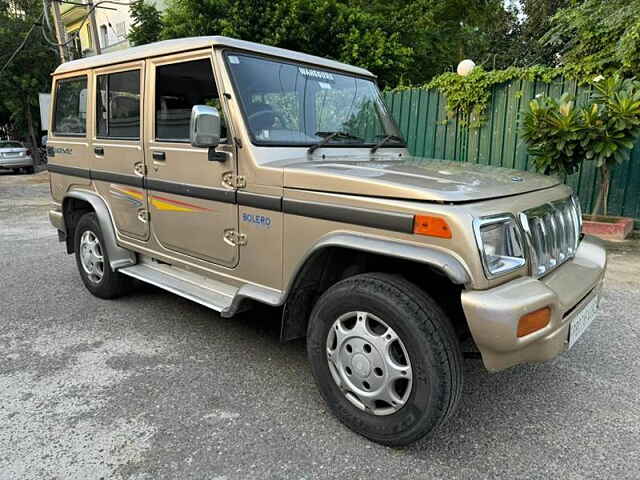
point(422, 117)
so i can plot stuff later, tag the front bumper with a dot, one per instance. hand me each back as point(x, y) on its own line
point(17, 162)
point(493, 314)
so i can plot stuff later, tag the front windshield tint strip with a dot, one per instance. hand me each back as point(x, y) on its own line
point(295, 104)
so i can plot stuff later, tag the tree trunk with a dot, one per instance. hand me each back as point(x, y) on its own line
point(607, 183)
point(35, 152)
point(603, 194)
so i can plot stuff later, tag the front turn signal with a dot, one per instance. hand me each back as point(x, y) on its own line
point(431, 226)
point(534, 321)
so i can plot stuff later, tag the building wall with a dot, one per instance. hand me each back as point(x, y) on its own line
point(113, 27)
point(72, 18)
point(113, 23)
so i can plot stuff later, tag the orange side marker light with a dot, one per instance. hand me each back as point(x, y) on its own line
point(431, 226)
point(534, 321)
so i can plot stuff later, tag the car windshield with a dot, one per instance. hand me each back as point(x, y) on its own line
point(293, 104)
point(10, 145)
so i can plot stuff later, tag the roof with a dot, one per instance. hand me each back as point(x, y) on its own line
point(168, 47)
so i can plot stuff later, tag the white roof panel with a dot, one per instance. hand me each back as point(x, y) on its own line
point(168, 47)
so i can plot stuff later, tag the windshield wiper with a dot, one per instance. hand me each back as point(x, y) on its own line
point(329, 137)
point(385, 140)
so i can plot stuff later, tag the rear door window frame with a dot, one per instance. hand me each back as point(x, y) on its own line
point(137, 68)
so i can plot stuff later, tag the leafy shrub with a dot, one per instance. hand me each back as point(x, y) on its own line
point(554, 130)
point(561, 135)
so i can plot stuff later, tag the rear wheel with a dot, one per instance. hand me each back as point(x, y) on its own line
point(385, 357)
point(93, 261)
point(30, 170)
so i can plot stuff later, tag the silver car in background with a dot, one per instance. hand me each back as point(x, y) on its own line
point(15, 156)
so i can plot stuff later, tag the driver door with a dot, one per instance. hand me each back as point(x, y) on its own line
point(190, 207)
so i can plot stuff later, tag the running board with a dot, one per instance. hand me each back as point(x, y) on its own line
point(210, 293)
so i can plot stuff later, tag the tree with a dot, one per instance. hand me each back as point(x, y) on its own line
point(598, 36)
point(147, 23)
point(327, 28)
point(28, 73)
point(402, 42)
point(560, 135)
point(523, 47)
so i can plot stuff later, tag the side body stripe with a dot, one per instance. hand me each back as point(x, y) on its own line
point(394, 221)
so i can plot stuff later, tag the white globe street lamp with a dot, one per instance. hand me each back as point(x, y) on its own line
point(465, 67)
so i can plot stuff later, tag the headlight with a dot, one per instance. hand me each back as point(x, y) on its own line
point(500, 243)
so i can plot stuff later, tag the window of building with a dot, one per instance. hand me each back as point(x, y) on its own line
point(118, 105)
point(104, 35)
point(77, 46)
point(121, 30)
point(70, 114)
point(179, 87)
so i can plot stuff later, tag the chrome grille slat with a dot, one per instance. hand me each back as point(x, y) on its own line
point(562, 234)
point(554, 251)
point(552, 231)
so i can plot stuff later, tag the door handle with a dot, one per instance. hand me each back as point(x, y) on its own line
point(98, 151)
point(159, 156)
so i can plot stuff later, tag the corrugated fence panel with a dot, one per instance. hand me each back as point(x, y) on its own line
point(431, 132)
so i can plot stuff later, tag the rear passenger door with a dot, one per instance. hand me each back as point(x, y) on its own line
point(191, 209)
point(117, 147)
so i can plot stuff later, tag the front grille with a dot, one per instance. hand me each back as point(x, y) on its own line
point(553, 233)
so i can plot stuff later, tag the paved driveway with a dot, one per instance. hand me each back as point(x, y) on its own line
point(153, 386)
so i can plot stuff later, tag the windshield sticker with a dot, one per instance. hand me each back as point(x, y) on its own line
point(326, 86)
point(307, 72)
point(233, 59)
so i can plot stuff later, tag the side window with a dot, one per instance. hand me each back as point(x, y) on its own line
point(179, 87)
point(70, 114)
point(118, 105)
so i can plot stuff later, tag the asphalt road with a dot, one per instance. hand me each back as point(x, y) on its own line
point(152, 386)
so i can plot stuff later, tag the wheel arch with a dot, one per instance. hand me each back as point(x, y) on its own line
point(77, 203)
point(340, 255)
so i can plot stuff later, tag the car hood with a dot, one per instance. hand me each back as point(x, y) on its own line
point(411, 178)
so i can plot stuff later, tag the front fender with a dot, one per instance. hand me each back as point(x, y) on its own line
point(446, 262)
point(118, 256)
point(298, 298)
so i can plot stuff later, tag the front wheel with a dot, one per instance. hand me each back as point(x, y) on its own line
point(93, 260)
point(385, 357)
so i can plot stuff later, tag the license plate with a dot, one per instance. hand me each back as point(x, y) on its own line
point(582, 321)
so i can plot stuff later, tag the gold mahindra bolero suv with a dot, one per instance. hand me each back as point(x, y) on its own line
point(233, 173)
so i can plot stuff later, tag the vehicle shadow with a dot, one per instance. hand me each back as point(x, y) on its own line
point(490, 407)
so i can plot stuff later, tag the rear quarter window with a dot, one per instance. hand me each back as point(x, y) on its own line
point(70, 114)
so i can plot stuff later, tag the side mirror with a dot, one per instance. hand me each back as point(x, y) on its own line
point(205, 126)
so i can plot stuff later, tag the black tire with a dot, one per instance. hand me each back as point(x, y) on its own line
point(112, 284)
point(30, 170)
point(429, 339)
